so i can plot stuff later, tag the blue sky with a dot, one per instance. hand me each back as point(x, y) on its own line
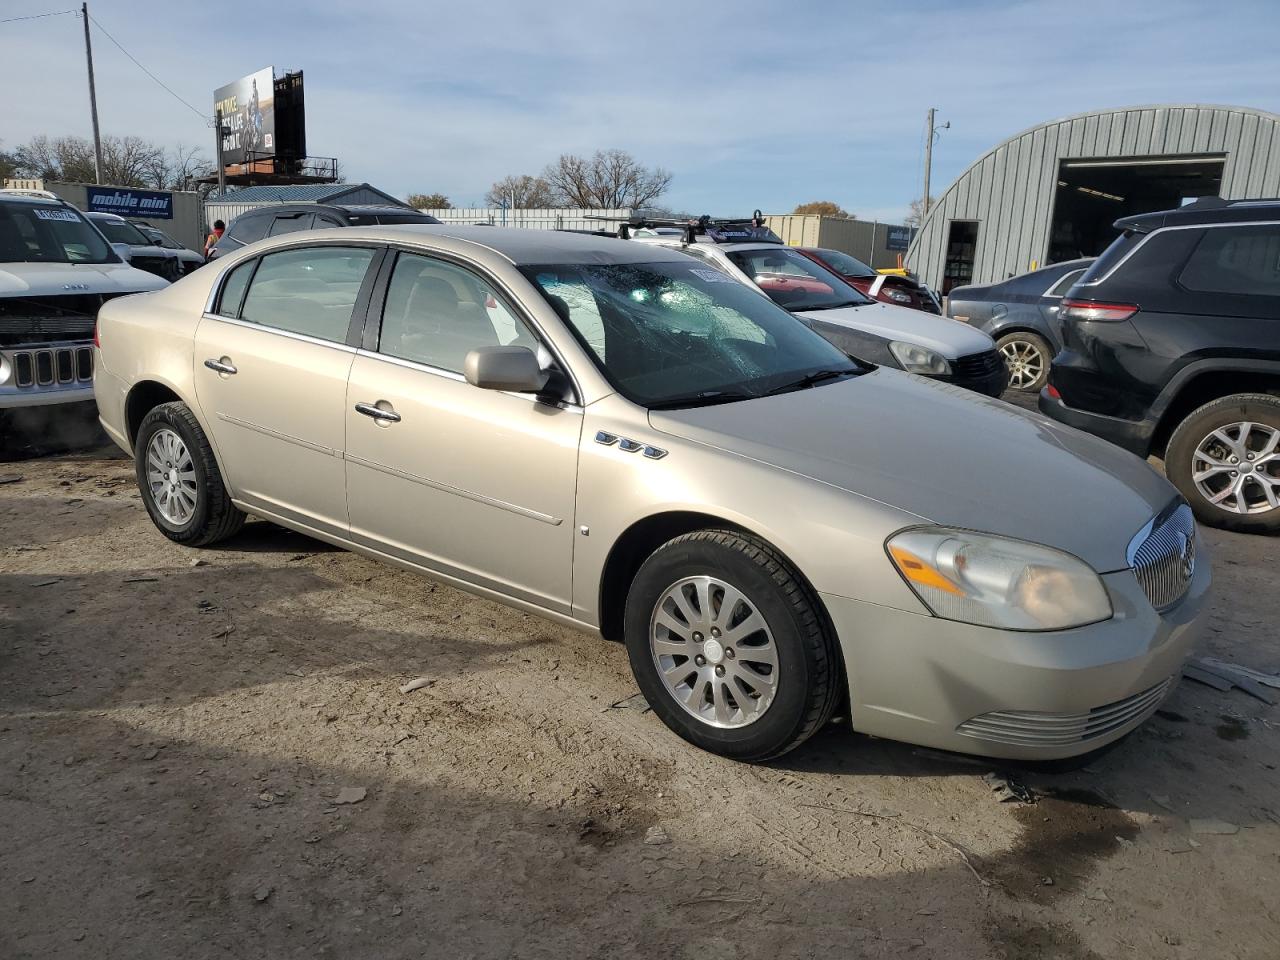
point(749, 103)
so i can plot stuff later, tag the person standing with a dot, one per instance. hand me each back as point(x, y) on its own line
point(212, 240)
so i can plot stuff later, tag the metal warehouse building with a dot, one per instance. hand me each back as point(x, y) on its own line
point(1052, 192)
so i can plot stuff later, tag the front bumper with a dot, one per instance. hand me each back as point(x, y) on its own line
point(1133, 435)
point(1001, 693)
point(991, 385)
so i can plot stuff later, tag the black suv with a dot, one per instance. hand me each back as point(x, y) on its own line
point(1172, 347)
point(289, 217)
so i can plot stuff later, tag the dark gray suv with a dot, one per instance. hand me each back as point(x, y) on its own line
point(291, 217)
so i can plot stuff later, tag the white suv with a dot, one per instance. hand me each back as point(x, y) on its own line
point(912, 340)
point(56, 270)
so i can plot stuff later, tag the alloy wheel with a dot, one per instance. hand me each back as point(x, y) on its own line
point(171, 477)
point(1024, 361)
point(714, 652)
point(1237, 467)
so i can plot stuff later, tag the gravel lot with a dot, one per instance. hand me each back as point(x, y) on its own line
point(206, 754)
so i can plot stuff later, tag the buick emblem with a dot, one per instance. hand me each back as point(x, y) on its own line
point(1186, 555)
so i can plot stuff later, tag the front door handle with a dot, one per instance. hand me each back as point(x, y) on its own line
point(221, 366)
point(378, 413)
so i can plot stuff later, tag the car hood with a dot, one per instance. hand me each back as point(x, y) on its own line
point(946, 455)
point(943, 335)
point(48, 279)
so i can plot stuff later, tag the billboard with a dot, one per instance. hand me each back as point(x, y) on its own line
point(153, 204)
point(248, 117)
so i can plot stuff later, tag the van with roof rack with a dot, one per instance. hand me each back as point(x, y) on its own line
point(56, 270)
point(747, 251)
point(1171, 348)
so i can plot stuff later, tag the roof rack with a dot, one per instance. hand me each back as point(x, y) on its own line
point(27, 192)
point(714, 229)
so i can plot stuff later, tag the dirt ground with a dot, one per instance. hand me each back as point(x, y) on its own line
point(206, 754)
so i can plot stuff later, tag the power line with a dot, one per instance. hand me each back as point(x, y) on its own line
point(198, 113)
point(37, 16)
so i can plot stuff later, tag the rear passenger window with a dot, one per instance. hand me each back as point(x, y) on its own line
point(1236, 260)
point(232, 295)
point(311, 291)
point(249, 228)
point(1060, 288)
point(290, 224)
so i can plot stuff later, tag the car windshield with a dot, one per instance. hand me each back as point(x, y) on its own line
point(794, 281)
point(45, 233)
point(844, 264)
point(121, 231)
point(678, 333)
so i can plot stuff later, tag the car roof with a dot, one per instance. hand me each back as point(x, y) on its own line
point(101, 215)
point(519, 246)
point(1204, 210)
point(678, 242)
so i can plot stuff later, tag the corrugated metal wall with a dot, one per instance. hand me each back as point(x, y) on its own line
point(1010, 190)
point(531, 219)
point(865, 239)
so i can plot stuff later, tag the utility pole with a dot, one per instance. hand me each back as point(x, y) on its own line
point(93, 96)
point(928, 163)
point(928, 158)
point(217, 134)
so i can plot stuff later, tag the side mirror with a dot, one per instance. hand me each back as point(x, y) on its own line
point(123, 251)
point(504, 368)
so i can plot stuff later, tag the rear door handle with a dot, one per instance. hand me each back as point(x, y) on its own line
point(221, 366)
point(370, 410)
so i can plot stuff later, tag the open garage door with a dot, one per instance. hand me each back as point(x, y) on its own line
point(1093, 194)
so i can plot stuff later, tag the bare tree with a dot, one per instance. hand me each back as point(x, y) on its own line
point(824, 208)
point(428, 201)
point(916, 215)
point(609, 179)
point(523, 191)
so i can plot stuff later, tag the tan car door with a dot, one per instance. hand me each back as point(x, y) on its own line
point(271, 378)
point(475, 484)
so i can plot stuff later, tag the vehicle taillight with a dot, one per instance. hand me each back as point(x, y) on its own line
point(96, 342)
point(1052, 391)
point(1093, 310)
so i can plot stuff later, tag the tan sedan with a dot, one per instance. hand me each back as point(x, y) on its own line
point(610, 435)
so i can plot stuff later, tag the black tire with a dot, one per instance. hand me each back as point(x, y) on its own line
point(1043, 353)
point(215, 517)
point(811, 684)
point(1180, 456)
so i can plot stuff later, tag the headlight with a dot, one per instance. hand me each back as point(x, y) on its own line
point(995, 582)
point(897, 296)
point(917, 359)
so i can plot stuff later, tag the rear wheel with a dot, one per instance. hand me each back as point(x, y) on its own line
point(729, 647)
point(1225, 459)
point(179, 478)
point(1026, 357)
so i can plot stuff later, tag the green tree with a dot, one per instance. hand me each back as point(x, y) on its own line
point(824, 208)
point(428, 201)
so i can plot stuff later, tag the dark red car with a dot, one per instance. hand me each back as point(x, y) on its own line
point(891, 288)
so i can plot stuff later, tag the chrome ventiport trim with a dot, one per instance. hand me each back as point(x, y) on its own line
point(608, 439)
point(654, 453)
point(629, 445)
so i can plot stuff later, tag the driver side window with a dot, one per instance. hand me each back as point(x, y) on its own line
point(436, 313)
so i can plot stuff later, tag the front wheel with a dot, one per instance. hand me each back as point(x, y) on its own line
point(1225, 459)
point(179, 478)
point(729, 646)
point(1026, 357)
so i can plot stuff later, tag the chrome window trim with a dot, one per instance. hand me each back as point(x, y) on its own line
point(1178, 226)
point(249, 325)
point(303, 241)
point(1050, 295)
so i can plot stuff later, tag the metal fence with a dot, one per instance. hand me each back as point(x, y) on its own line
point(531, 219)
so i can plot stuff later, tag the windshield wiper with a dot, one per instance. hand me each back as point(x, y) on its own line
point(704, 398)
point(810, 380)
point(833, 306)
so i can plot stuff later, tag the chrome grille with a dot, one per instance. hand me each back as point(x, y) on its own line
point(1163, 556)
point(50, 366)
point(1032, 729)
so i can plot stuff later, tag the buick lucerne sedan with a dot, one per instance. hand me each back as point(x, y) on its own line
point(608, 434)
